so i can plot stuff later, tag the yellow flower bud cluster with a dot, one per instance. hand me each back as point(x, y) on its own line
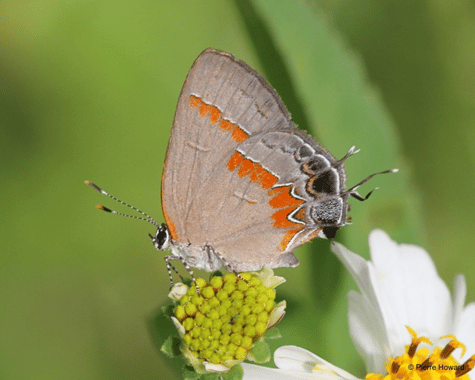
point(224, 320)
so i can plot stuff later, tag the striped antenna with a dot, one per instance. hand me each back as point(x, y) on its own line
point(147, 218)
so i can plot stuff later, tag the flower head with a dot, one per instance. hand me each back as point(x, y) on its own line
point(400, 287)
point(401, 296)
point(223, 322)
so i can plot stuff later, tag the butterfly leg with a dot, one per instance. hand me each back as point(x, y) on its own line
point(170, 267)
point(225, 262)
point(185, 264)
point(190, 271)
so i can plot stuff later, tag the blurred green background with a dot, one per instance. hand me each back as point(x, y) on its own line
point(88, 91)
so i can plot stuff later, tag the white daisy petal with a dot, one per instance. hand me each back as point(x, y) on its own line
point(367, 332)
point(427, 297)
point(277, 314)
point(374, 310)
point(181, 330)
point(358, 267)
point(460, 292)
point(210, 367)
point(295, 359)
point(399, 288)
point(408, 280)
point(256, 372)
point(466, 330)
point(268, 278)
point(384, 256)
point(178, 290)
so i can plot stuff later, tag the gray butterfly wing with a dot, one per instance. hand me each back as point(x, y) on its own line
point(237, 174)
point(267, 200)
point(223, 101)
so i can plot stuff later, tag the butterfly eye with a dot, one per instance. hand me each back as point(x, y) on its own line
point(162, 237)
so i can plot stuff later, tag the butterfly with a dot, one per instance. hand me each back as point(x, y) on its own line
point(242, 186)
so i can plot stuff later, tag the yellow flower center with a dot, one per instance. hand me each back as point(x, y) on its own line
point(421, 365)
point(227, 317)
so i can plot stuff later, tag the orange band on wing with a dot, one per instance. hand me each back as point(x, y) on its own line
point(268, 180)
point(281, 218)
point(264, 177)
point(283, 197)
point(235, 161)
point(311, 236)
point(171, 226)
point(204, 109)
point(301, 215)
point(226, 125)
point(257, 173)
point(247, 166)
point(239, 135)
point(289, 235)
point(194, 101)
point(215, 114)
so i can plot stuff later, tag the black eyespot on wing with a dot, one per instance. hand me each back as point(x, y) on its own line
point(330, 232)
point(324, 183)
point(304, 152)
point(314, 165)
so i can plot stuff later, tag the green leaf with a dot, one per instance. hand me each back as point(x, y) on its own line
point(216, 273)
point(167, 310)
point(171, 346)
point(190, 374)
point(260, 353)
point(344, 110)
point(272, 333)
point(236, 373)
point(210, 376)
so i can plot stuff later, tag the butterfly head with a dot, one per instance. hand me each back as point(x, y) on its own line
point(161, 240)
